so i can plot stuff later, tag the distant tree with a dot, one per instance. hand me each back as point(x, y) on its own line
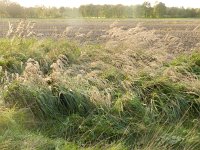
point(172, 11)
point(30, 12)
point(192, 13)
point(40, 12)
point(62, 11)
point(53, 12)
point(108, 11)
point(198, 13)
point(147, 9)
point(3, 11)
point(82, 10)
point(138, 11)
point(14, 10)
point(160, 10)
point(118, 11)
point(88, 10)
point(128, 12)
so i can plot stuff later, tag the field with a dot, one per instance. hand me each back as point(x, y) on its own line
point(100, 84)
point(77, 28)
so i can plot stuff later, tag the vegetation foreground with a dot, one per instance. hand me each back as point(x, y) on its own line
point(63, 95)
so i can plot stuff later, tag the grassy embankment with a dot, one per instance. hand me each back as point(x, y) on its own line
point(48, 102)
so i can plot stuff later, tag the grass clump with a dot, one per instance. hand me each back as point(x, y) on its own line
point(162, 97)
point(189, 63)
point(45, 103)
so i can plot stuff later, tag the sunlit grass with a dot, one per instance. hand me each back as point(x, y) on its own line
point(94, 104)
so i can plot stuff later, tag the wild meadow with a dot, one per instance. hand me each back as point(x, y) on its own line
point(134, 88)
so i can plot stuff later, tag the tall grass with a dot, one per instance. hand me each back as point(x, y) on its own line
point(94, 104)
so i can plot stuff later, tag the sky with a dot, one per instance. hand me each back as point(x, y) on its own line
point(77, 3)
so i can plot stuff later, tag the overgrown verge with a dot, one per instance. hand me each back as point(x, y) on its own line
point(98, 107)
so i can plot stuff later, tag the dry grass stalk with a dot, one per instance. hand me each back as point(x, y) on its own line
point(23, 29)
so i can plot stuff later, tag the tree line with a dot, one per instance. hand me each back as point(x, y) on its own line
point(146, 10)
